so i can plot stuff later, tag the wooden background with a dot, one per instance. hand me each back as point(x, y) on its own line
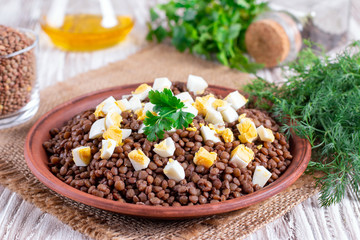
point(22, 220)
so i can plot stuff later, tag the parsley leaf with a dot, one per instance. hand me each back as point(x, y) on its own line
point(168, 114)
point(214, 29)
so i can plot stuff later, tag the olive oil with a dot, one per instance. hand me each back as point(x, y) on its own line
point(84, 32)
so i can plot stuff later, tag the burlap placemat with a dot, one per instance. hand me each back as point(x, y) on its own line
point(156, 61)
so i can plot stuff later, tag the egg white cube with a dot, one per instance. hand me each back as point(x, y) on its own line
point(261, 176)
point(172, 130)
point(109, 118)
point(138, 159)
point(126, 96)
point(144, 94)
point(265, 134)
point(78, 158)
point(213, 116)
point(209, 134)
point(174, 170)
point(236, 100)
point(190, 109)
point(97, 128)
point(108, 104)
point(126, 133)
point(219, 126)
point(227, 105)
point(165, 148)
point(123, 104)
point(141, 128)
point(161, 83)
point(242, 156)
point(239, 162)
point(148, 107)
point(229, 114)
point(185, 97)
point(135, 103)
point(196, 84)
point(107, 149)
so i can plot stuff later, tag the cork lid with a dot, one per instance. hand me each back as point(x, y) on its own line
point(267, 42)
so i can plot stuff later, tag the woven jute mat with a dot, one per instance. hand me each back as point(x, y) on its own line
point(155, 61)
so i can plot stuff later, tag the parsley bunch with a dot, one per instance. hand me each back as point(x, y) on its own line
point(322, 97)
point(168, 114)
point(211, 28)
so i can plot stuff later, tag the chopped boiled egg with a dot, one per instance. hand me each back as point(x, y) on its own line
point(114, 133)
point(196, 84)
point(172, 130)
point(242, 156)
point(108, 104)
point(242, 116)
point(81, 156)
point(97, 128)
point(107, 149)
point(148, 107)
point(247, 130)
point(202, 104)
point(103, 108)
point(98, 111)
point(219, 104)
point(229, 114)
point(227, 135)
point(213, 116)
point(141, 128)
point(123, 104)
point(236, 99)
point(165, 148)
point(140, 114)
point(261, 176)
point(135, 103)
point(125, 133)
point(185, 97)
point(112, 118)
point(265, 134)
point(138, 159)
point(191, 129)
point(174, 170)
point(190, 108)
point(142, 91)
point(209, 134)
point(205, 158)
point(161, 83)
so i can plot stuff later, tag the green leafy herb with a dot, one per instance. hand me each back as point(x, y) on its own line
point(211, 28)
point(322, 97)
point(168, 114)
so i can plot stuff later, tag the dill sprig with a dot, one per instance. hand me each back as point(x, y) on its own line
point(322, 97)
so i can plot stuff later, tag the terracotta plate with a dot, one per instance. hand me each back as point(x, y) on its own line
point(37, 160)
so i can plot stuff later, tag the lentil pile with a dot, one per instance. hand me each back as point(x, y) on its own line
point(116, 179)
point(17, 73)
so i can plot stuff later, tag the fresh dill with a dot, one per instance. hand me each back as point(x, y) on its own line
point(322, 97)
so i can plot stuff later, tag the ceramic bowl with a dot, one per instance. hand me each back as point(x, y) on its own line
point(37, 160)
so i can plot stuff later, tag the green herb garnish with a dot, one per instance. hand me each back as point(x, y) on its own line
point(322, 97)
point(211, 28)
point(168, 114)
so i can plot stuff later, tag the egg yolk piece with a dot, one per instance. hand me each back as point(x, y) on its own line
point(114, 133)
point(205, 158)
point(247, 131)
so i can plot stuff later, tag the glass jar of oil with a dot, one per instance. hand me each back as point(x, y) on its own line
point(86, 25)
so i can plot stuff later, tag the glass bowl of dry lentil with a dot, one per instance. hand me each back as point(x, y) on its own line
point(113, 184)
point(19, 93)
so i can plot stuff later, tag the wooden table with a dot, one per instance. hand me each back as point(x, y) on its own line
point(22, 220)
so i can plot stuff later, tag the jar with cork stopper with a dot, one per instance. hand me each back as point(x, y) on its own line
point(276, 36)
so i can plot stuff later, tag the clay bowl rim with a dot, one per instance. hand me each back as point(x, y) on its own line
point(36, 159)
